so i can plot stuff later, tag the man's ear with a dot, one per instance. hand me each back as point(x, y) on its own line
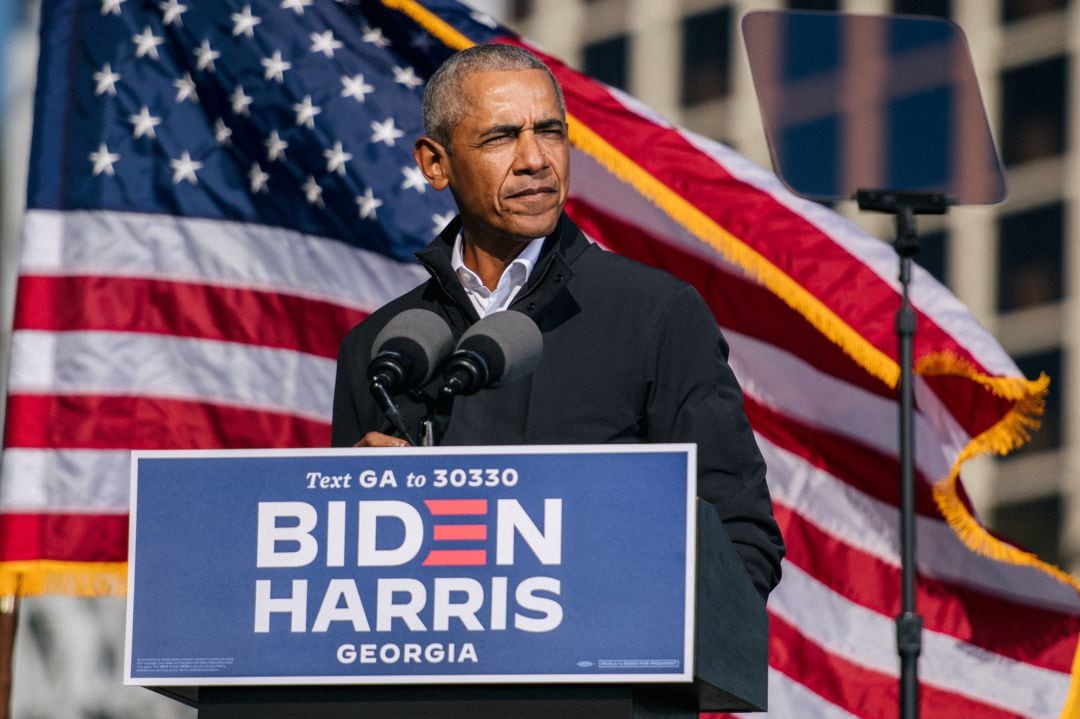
point(431, 158)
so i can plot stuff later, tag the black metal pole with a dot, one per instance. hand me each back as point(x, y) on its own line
point(908, 623)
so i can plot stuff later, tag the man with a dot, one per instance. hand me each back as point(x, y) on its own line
point(631, 354)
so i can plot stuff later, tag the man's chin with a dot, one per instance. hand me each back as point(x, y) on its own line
point(532, 226)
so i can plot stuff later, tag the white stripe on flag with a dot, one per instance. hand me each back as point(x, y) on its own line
point(788, 699)
point(256, 257)
point(129, 363)
point(79, 481)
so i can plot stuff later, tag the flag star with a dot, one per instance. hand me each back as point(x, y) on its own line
point(313, 192)
point(222, 133)
point(414, 179)
point(259, 179)
point(144, 123)
point(385, 132)
point(336, 157)
point(422, 41)
point(374, 35)
point(306, 112)
point(171, 10)
point(185, 88)
point(106, 80)
point(111, 6)
point(440, 222)
point(484, 19)
point(368, 204)
point(295, 5)
point(146, 43)
point(407, 76)
point(244, 22)
point(103, 160)
point(184, 168)
point(275, 67)
point(205, 56)
point(355, 87)
point(240, 101)
point(325, 43)
point(275, 146)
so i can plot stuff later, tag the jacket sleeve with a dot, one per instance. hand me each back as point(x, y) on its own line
point(694, 397)
point(349, 422)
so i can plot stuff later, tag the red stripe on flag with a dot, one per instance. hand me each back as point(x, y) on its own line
point(112, 422)
point(855, 688)
point(456, 557)
point(451, 532)
point(64, 537)
point(456, 506)
point(131, 304)
point(976, 617)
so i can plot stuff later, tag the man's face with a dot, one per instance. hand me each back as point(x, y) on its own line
point(508, 166)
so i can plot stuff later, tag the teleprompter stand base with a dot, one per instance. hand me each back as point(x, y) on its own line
point(730, 671)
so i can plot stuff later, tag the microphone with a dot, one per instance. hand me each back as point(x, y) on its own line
point(500, 348)
point(409, 350)
point(406, 354)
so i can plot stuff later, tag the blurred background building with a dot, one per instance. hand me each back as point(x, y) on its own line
point(1011, 264)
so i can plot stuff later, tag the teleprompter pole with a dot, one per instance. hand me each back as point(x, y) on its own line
point(909, 623)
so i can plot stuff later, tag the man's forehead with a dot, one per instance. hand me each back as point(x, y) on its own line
point(492, 87)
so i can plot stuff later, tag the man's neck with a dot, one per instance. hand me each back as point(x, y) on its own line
point(490, 257)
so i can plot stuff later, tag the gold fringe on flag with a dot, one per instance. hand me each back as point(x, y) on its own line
point(77, 579)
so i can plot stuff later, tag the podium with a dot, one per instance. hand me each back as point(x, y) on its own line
point(585, 581)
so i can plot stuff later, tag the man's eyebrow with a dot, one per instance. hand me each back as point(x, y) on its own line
point(506, 129)
point(514, 129)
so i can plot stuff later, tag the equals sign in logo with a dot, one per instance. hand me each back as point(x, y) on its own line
point(457, 532)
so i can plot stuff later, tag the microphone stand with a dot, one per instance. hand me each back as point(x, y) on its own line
point(905, 205)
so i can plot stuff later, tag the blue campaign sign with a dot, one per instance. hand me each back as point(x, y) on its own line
point(433, 565)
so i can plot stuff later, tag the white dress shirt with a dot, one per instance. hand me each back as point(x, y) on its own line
point(510, 283)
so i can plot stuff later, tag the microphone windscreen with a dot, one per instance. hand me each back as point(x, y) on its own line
point(422, 337)
point(510, 342)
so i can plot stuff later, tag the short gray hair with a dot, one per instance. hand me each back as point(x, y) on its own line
point(443, 103)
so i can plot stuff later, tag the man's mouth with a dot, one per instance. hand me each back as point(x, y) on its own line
point(532, 192)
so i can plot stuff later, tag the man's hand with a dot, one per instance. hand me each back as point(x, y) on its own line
point(378, 439)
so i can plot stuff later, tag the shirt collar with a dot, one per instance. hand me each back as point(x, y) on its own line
point(526, 260)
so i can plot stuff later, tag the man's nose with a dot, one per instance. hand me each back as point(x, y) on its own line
point(530, 156)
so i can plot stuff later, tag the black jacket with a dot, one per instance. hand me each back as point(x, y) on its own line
point(631, 354)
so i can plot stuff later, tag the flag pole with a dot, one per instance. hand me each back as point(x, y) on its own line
point(905, 205)
point(9, 619)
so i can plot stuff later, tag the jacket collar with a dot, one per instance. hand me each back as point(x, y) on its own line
point(550, 276)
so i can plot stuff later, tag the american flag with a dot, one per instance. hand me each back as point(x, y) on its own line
point(219, 190)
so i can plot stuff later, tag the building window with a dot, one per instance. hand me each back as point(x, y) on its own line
point(1033, 110)
point(520, 9)
point(1033, 524)
point(1049, 434)
point(606, 60)
point(706, 56)
point(941, 8)
point(933, 254)
point(1031, 257)
point(1013, 10)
